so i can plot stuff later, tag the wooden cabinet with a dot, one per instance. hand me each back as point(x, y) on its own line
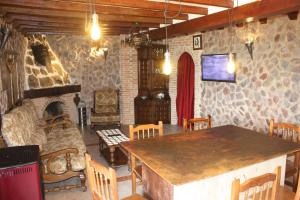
point(153, 102)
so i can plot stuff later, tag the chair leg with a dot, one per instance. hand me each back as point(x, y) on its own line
point(133, 175)
point(82, 181)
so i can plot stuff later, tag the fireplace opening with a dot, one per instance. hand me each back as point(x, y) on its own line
point(54, 109)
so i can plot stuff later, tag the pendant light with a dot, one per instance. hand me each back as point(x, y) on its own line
point(92, 22)
point(167, 68)
point(95, 29)
point(231, 63)
point(231, 66)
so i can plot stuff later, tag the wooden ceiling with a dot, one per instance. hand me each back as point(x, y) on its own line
point(116, 16)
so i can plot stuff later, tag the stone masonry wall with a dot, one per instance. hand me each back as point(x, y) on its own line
point(267, 86)
point(38, 76)
point(91, 72)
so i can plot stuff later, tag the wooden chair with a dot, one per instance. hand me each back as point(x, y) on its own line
point(264, 187)
point(139, 133)
point(197, 123)
point(103, 181)
point(291, 133)
point(286, 194)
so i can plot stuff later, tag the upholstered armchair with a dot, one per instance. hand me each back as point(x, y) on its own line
point(106, 108)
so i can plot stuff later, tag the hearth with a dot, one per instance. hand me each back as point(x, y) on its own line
point(54, 101)
point(54, 109)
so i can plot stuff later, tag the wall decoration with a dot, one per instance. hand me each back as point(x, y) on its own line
point(197, 42)
point(4, 34)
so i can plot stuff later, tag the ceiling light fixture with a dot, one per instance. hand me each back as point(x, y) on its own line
point(92, 26)
point(167, 67)
point(137, 37)
point(231, 65)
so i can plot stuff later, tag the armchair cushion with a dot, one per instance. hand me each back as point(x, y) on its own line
point(19, 128)
point(106, 101)
point(59, 139)
point(105, 117)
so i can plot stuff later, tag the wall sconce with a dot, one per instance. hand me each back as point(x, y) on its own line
point(249, 44)
point(97, 51)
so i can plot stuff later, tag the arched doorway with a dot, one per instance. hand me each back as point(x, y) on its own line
point(185, 88)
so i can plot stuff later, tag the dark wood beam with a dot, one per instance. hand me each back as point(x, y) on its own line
point(80, 15)
point(79, 23)
point(142, 4)
point(27, 19)
point(56, 28)
point(219, 3)
point(69, 32)
point(255, 10)
point(54, 91)
point(79, 7)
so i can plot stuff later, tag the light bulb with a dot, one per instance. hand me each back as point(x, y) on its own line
point(95, 29)
point(167, 69)
point(231, 64)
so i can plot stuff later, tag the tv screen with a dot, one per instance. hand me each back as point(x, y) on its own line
point(214, 68)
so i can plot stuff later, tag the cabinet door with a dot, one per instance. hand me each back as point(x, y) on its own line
point(162, 111)
point(144, 112)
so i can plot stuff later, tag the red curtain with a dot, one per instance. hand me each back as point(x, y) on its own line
point(185, 88)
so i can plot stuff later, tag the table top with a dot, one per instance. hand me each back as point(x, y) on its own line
point(187, 157)
point(112, 136)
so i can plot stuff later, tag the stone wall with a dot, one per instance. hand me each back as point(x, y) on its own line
point(43, 76)
point(267, 86)
point(91, 72)
point(12, 80)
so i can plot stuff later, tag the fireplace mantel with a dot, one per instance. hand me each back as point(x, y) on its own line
point(54, 91)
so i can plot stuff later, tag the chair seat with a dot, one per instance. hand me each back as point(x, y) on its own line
point(285, 194)
point(105, 117)
point(138, 171)
point(134, 197)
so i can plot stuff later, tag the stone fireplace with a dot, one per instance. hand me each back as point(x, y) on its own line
point(55, 101)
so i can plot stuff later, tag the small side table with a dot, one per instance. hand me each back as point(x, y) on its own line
point(109, 141)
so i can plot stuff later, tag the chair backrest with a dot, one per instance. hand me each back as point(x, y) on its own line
point(197, 123)
point(264, 187)
point(145, 131)
point(106, 101)
point(285, 131)
point(102, 180)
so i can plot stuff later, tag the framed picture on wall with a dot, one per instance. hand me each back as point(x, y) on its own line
point(197, 42)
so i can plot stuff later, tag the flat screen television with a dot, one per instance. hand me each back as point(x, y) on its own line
point(214, 68)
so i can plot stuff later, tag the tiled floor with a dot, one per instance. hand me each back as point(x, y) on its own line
point(91, 140)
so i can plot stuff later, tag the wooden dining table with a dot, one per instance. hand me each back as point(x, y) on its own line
point(202, 164)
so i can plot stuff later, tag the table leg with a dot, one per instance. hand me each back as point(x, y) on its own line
point(112, 155)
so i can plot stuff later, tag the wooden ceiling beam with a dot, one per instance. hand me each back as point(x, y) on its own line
point(51, 30)
point(20, 18)
point(79, 23)
point(219, 3)
point(79, 15)
point(254, 10)
point(79, 7)
point(104, 29)
point(143, 4)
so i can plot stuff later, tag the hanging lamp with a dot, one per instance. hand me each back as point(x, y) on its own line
point(92, 22)
point(167, 68)
point(231, 65)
